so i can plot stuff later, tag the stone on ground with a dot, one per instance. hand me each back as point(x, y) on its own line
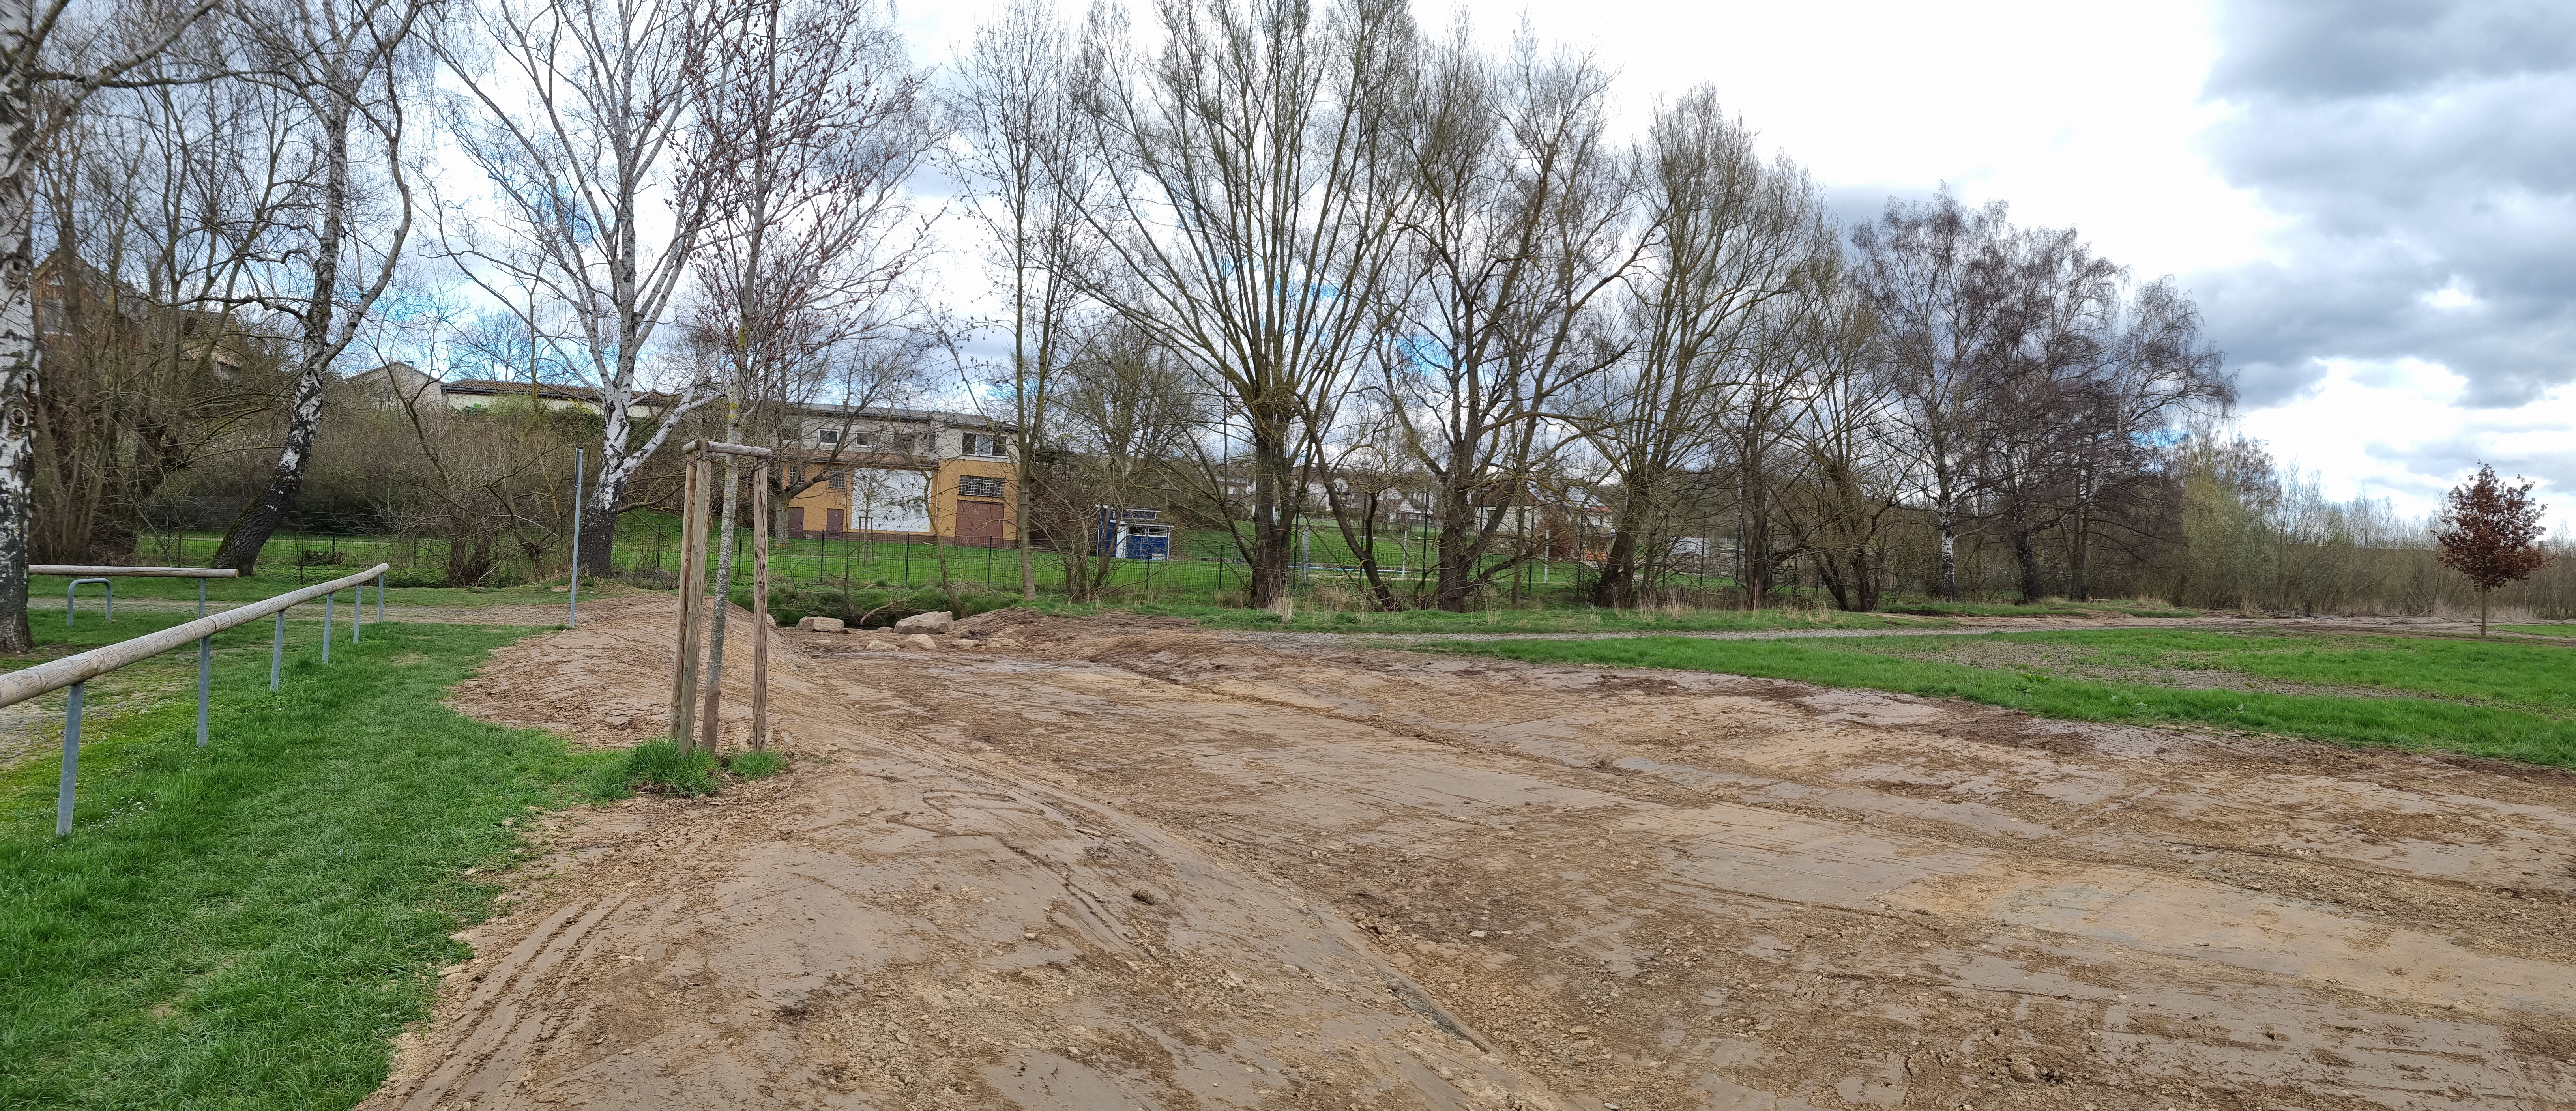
point(938, 622)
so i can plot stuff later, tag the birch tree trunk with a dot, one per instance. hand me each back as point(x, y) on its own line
point(19, 350)
point(261, 518)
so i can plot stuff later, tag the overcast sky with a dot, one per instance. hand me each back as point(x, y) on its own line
point(2374, 202)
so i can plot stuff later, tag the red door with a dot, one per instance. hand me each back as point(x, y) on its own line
point(979, 520)
point(795, 520)
point(835, 521)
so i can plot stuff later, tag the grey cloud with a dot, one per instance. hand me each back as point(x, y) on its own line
point(2347, 48)
point(2415, 147)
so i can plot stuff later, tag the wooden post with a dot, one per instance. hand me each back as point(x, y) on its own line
point(710, 728)
point(693, 573)
point(760, 607)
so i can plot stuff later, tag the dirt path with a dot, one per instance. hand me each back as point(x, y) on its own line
point(1123, 864)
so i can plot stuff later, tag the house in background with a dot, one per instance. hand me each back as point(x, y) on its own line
point(887, 471)
point(876, 471)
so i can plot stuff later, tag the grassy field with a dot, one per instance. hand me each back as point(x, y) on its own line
point(2044, 609)
point(648, 543)
point(2560, 629)
point(2506, 700)
point(247, 924)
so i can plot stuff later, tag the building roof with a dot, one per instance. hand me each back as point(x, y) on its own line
point(543, 390)
point(557, 392)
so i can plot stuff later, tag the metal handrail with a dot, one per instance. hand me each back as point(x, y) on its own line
point(133, 572)
point(108, 574)
point(74, 589)
point(76, 670)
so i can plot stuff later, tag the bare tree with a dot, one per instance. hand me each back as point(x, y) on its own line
point(1030, 178)
point(43, 79)
point(1516, 229)
point(337, 64)
point(1128, 418)
point(1728, 234)
point(584, 116)
point(2156, 368)
point(159, 204)
point(821, 119)
point(1840, 511)
point(1250, 233)
point(1930, 272)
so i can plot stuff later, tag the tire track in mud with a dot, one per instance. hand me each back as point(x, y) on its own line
point(1203, 873)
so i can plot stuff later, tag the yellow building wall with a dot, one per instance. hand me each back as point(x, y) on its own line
point(943, 493)
point(943, 496)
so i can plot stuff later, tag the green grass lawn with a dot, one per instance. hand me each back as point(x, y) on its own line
point(2563, 629)
point(247, 924)
point(2505, 700)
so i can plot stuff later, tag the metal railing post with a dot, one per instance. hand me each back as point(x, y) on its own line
point(380, 598)
point(201, 597)
point(73, 588)
point(327, 601)
point(71, 762)
point(205, 679)
point(357, 611)
point(572, 601)
point(74, 671)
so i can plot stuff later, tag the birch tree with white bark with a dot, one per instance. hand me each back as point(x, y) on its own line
point(584, 116)
point(340, 65)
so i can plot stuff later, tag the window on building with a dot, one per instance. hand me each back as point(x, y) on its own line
point(979, 486)
point(829, 437)
point(796, 474)
point(838, 480)
point(982, 443)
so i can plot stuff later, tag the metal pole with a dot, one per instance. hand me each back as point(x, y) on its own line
point(277, 651)
point(380, 597)
point(327, 601)
point(201, 597)
point(357, 611)
point(572, 604)
point(71, 762)
point(205, 678)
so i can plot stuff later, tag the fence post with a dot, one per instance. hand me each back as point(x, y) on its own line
point(327, 601)
point(201, 597)
point(71, 762)
point(380, 598)
point(205, 678)
point(276, 651)
point(572, 602)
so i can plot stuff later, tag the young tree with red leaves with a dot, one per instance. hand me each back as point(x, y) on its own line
point(2492, 535)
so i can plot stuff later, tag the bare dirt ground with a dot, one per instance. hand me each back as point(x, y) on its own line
point(1123, 864)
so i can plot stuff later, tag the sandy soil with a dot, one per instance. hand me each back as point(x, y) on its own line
point(1114, 864)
